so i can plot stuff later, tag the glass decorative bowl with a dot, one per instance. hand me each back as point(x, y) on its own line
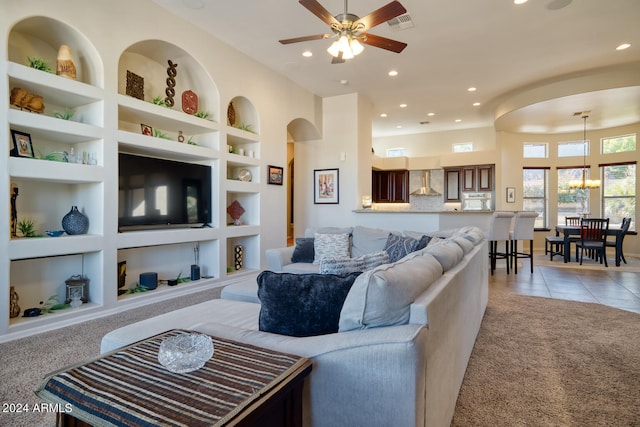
point(54, 233)
point(186, 352)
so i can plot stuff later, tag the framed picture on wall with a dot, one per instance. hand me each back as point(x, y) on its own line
point(326, 186)
point(274, 175)
point(511, 194)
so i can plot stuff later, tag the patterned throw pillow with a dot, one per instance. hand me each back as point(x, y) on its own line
point(374, 259)
point(330, 246)
point(399, 246)
point(422, 243)
point(341, 265)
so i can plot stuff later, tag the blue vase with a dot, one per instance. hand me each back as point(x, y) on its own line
point(75, 222)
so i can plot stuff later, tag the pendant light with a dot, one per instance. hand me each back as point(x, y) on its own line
point(584, 183)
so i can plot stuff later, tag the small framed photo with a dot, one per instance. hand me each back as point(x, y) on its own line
point(511, 194)
point(274, 175)
point(146, 129)
point(326, 186)
point(22, 144)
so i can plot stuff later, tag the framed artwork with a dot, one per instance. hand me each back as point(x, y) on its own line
point(325, 186)
point(511, 194)
point(22, 144)
point(146, 129)
point(274, 175)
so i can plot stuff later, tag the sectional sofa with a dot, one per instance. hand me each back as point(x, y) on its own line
point(403, 335)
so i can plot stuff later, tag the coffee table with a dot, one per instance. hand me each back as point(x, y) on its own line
point(241, 385)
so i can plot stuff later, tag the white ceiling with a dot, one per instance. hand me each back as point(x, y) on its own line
point(500, 48)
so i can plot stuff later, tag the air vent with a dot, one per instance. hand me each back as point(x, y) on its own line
point(424, 123)
point(581, 113)
point(401, 22)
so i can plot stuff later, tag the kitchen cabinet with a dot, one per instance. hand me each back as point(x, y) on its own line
point(452, 184)
point(390, 186)
point(472, 178)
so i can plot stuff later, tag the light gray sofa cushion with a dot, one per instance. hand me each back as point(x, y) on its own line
point(382, 296)
point(447, 252)
point(366, 240)
point(341, 265)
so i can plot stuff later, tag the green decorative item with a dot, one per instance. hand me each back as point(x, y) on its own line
point(27, 228)
point(64, 116)
point(158, 100)
point(39, 64)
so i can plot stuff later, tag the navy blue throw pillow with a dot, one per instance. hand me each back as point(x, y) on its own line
point(399, 246)
point(422, 243)
point(303, 252)
point(302, 305)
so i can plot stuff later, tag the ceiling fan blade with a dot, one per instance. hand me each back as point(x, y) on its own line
point(306, 38)
point(383, 43)
point(381, 15)
point(317, 9)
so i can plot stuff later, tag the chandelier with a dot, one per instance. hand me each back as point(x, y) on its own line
point(584, 183)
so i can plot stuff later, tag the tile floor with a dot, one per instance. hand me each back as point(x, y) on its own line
point(620, 289)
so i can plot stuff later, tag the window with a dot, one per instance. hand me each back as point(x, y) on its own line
point(463, 147)
point(395, 152)
point(535, 193)
point(535, 150)
point(571, 201)
point(618, 144)
point(619, 192)
point(573, 149)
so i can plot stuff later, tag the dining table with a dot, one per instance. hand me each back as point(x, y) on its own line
point(574, 230)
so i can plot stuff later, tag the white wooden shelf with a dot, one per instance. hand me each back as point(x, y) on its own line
point(37, 247)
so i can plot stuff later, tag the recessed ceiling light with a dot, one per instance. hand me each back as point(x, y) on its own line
point(383, 115)
point(307, 53)
point(472, 89)
point(431, 114)
point(475, 104)
point(519, 1)
point(403, 105)
point(623, 46)
point(393, 73)
point(458, 120)
point(344, 82)
point(399, 127)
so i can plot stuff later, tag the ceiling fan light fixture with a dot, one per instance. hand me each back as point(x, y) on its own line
point(349, 47)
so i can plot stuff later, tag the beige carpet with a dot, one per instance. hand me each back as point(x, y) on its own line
point(537, 362)
point(544, 362)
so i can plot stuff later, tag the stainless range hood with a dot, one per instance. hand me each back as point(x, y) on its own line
point(426, 189)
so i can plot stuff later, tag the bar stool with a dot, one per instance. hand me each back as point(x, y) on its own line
point(523, 227)
point(499, 230)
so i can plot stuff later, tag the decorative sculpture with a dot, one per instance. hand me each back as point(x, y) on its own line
point(172, 72)
point(65, 66)
point(135, 85)
point(235, 211)
point(24, 99)
point(14, 308)
point(14, 210)
point(238, 257)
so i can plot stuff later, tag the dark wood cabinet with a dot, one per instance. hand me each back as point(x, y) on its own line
point(390, 186)
point(452, 184)
point(478, 178)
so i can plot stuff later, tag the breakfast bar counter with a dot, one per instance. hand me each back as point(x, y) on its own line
point(409, 219)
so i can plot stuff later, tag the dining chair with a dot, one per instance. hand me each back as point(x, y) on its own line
point(617, 243)
point(499, 230)
point(554, 245)
point(593, 237)
point(523, 226)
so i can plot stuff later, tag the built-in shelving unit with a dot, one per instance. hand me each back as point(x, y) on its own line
point(107, 121)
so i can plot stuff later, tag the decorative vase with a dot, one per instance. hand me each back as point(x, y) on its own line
point(14, 308)
point(65, 66)
point(75, 222)
point(238, 257)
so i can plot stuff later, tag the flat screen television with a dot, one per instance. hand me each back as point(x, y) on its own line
point(158, 193)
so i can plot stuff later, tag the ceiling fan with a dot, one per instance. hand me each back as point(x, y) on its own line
point(349, 30)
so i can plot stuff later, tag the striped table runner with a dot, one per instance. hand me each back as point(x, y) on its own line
point(130, 387)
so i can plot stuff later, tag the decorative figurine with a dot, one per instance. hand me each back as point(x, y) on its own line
point(235, 211)
point(238, 257)
point(65, 66)
point(172, 72)
point(14, 308)
point(14, 210)
point(180, 136)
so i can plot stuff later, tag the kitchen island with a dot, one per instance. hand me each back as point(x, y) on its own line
point(418, 220)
